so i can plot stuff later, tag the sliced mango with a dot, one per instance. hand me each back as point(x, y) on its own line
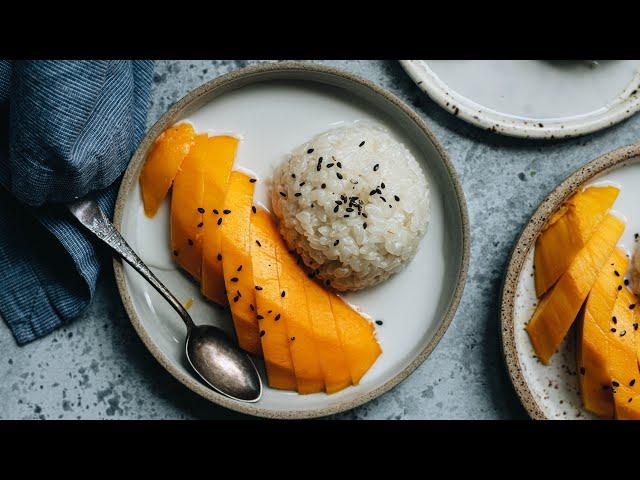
point(357, 336)
point(187, 210)
point(567, 232)
point(273, 329)
point(236, 261)
point(593, 330)
point(330, 353)
point(622, 359)
point(627, 403)
point(295, 311)
point(162, 165)
point(557, 311)
point(220, 152)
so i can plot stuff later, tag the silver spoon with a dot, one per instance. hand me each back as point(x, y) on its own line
point(210, 352)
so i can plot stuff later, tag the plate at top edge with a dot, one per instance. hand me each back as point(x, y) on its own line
point(552, 391)
point(274, 108)
point(532, 98)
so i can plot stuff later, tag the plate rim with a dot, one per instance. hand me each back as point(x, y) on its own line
point(238, 76)
point(498, 122)
point(526, 239)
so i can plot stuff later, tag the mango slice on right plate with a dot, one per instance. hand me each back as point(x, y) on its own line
point(568, 231)
point(558, 309)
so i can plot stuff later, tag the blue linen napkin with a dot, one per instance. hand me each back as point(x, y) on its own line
point(67, 130)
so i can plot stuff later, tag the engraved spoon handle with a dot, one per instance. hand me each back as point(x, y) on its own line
point(93, 219)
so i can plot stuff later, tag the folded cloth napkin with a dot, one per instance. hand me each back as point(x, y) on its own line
point(67, 130)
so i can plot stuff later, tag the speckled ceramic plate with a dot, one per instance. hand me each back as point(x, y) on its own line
point(552, 391)
point(274, 108)
point(532, 98)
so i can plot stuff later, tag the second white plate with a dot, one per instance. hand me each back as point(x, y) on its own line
point(532, 98)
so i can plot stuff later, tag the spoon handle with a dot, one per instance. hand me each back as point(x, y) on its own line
point(93, 218)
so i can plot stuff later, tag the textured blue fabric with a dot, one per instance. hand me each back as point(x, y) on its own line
point(67, 130)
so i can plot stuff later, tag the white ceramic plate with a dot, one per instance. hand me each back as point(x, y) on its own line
point(552, 391)
point(274, 108)
point(532, 98)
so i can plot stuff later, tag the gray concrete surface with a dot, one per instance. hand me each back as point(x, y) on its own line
point(98, 368)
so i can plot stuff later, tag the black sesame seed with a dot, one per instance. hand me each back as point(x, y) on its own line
point(339, 175)
point(632, 382)
point(623, 333)
point(200, 209)
point(364, 215)
point(293, 175)
point(361, 143)
point(379, 322)
point(396, 198)
point(626, 281)
point(615, 384)
point(345, 216)
point(383, 199)
point(226, 212)
point(252, 180)
point(219, 257)
point(613, 330)
point(283, 293)
point(339, 165)
point(251, 307)
point(239, 269)
point(219, 220)
point(616, 273)
point(258, 243)
point(236, 298)
point(329, 165)
point(382, 185)
point(262, 332)
point(619, 287)
point(234, 279)
point(364, 225)
point(336, 243)
point(259, 317)
point(258, 287)
point(324, 185)
point(632, 306)
point(269, 311)
point(335, 210)
point(310, 151)
point(635, 326)
point(349, 209)
point(253, 209)
point(373, 192)
point(297, 194)
point(302, 184)
point(293, 338)
point(215, 211)
point(282, 194)
point(277, 317)
point(376, 167)
point(614, 319)
point(189, 241)
point(201, 224)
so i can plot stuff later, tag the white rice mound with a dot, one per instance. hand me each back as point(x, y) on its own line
point(384, 189)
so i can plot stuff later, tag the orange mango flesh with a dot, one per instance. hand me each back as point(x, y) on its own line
point(567, 232)
point(357, 337)
point(594, 327)
point(295, 312)
point(236, 261)
point(557, 311)
point(622, 361)
point(163, 164)
point(186, 209)
point(273, 329)
point(219, 153)
point(330, 352)
point(627, 403)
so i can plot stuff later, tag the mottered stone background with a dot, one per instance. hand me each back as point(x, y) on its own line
point(97, 368)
